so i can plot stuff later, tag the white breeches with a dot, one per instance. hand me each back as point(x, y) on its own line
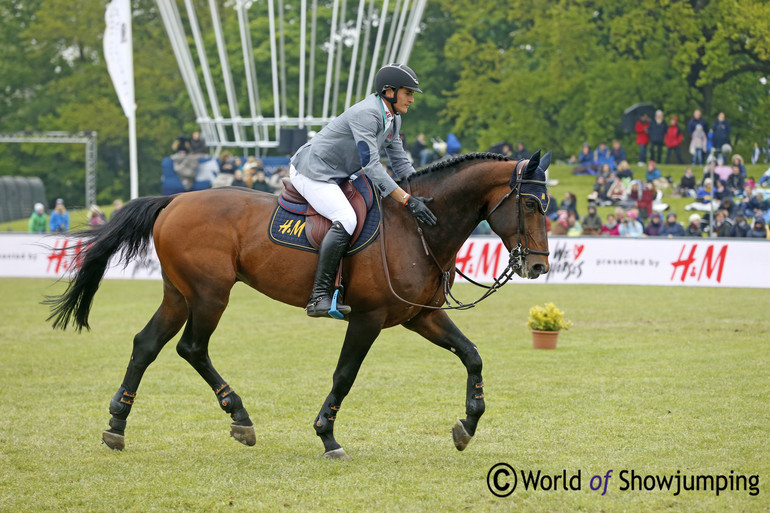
point(327, 198)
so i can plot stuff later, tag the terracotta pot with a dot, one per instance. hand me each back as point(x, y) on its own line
point(544, 339)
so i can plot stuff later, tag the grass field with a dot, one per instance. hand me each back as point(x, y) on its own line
point(651, 379)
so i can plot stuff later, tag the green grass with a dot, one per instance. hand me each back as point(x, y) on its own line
point(649, 378)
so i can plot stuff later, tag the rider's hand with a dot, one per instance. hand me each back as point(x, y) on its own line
point(416, 206)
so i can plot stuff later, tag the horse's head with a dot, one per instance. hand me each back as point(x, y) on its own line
point(519, 217)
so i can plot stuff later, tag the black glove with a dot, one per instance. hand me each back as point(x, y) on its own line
point(416, 206)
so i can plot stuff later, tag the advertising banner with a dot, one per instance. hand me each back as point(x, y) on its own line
point(607, 261)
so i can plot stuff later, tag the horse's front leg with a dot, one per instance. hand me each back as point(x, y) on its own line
point(360, 336)
point(438, 328)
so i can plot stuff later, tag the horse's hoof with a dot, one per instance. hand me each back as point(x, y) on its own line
point(114, 441)
point(460, 436)
point(337, 454)
point(244, 434)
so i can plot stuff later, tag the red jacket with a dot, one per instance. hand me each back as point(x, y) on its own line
point(642, 137)
point(673, 137)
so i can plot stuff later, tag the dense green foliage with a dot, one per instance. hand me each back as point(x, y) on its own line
point(653, 379)
point(550, 74)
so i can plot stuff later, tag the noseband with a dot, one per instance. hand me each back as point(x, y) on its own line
point(518, 255)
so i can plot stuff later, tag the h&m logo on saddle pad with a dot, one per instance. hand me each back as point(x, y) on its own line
point(296, 224)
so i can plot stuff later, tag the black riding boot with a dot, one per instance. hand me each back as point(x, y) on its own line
point(332, 249)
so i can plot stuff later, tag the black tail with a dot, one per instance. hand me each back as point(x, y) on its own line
point(130, 229)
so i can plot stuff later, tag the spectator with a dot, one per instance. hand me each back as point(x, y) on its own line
point(724, 225)
point(116, 205)
point(673, 140)
point(721, 136)
point(698, 145)
point(630, 226)
point(586, 164)
point(260, 182)
point(764, 180)
point(754, 202)
point(687, 184)
point(197, 144)
point(610, 227)
point(728, 206)
point(38, 221)
point(420, 152)
point(655, 225)
point(693, 228)
point(758, 230)
point(552, 211)
point(60, 218)
point(569, 204)
point(672, 228)
point(181, 145)
point(561, 225)
point(644, 204)
point(603, 155)
point(238, 180)
point(574, 227)
point(618, 152)
point(657, 133)
point(697, 121)
point(653, 173)
point(625, 171)
point(592, 222)
point(734, 184)
point(755, 153)
point(616, 192)
point(605, 171)
point(642, 130)
point(741, 227)
point(227, 167)
point(276, 179)
point(95, 217)
point(521, 152)
point(738, 161)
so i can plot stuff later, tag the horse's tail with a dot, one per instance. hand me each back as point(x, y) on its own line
point(130, 230)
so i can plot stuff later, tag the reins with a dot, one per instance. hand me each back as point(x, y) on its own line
point(516, 258)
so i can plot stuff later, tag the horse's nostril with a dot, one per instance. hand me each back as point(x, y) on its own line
point(538, 268)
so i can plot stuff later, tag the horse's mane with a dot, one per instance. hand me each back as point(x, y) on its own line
point(454, 163)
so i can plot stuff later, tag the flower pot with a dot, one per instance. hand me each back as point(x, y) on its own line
point(544, 339)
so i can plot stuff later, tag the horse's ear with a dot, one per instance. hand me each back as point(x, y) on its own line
point(545, 162)
point(534, 162)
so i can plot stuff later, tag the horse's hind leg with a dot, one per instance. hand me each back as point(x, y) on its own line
point(359, 338)
point(193, 347)
point(166, 322)
point(439, 329)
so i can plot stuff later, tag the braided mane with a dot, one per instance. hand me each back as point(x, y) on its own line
point(453, 162)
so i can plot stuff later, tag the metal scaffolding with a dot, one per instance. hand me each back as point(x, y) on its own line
point(87, 138)
point(348, 43)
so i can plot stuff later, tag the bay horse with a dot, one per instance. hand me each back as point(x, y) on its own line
point(208, 240)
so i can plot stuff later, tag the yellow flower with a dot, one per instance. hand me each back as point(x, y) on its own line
point(547, 318)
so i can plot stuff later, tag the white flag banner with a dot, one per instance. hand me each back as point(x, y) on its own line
point(118, 52)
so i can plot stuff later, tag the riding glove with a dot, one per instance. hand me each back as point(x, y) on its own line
point(416, 206)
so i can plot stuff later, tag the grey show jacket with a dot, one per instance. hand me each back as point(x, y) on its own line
point(351, 142)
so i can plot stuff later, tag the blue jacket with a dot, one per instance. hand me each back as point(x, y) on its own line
point(675, 230)
point(59, 222)
point(721, 134)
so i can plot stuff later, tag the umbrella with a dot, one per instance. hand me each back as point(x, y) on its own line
point(633, 113)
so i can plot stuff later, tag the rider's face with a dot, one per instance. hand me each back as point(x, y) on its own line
point(404, 99)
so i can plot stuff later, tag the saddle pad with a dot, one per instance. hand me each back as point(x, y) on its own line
point(287, 228)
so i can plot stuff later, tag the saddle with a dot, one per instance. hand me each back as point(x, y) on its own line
point(316, 225)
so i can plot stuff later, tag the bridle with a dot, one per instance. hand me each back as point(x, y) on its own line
point(518, 255)
point(516, 258)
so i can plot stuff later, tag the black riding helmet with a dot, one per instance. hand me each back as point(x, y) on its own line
point(394, 76)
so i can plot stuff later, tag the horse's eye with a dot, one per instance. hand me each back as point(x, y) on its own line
point(530, 204)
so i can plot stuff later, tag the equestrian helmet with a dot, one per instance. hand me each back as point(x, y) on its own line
point(393, 76)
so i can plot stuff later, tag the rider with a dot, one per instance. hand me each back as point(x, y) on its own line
point(352, 142)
